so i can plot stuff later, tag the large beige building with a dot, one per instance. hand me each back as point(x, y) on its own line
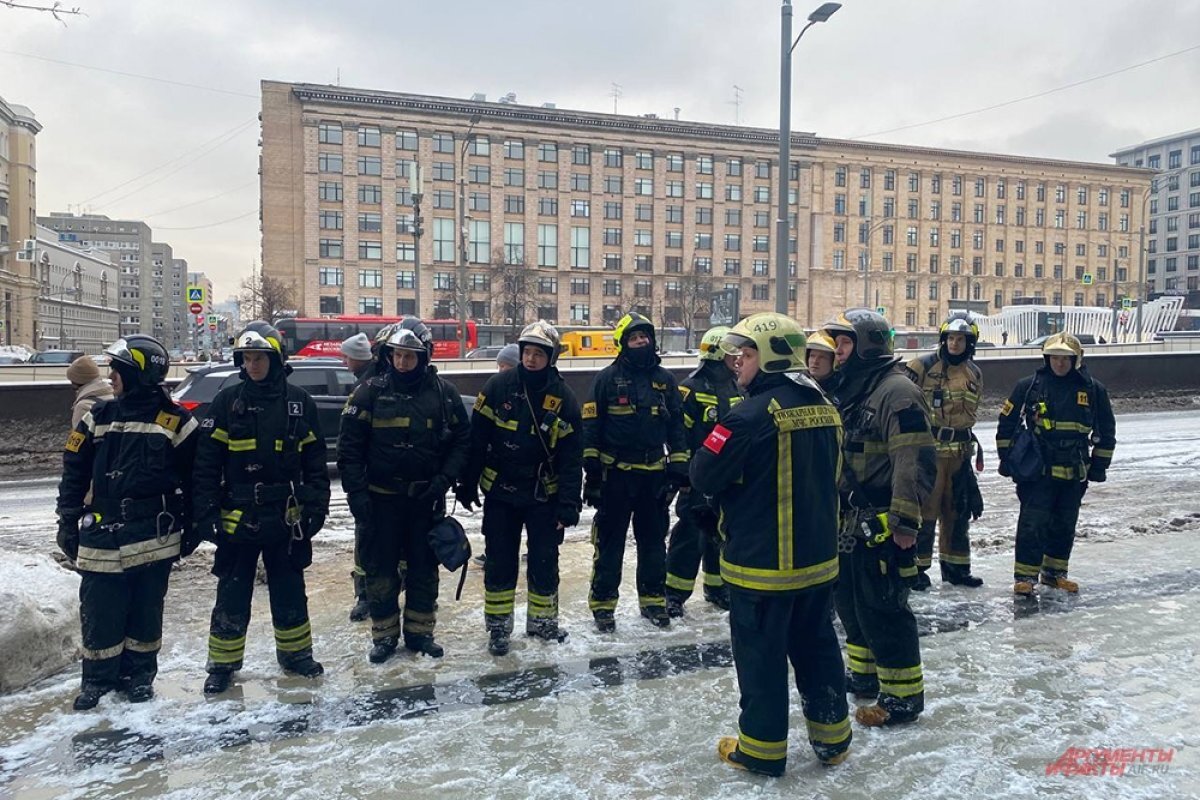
point(18, 223)
point(612, 213)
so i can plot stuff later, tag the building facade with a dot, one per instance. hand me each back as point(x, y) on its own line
point(18, 222)
point(77, 302)
point(607, 213)
point(1172, 208)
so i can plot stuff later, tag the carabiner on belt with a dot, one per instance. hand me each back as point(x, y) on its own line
point(291, 514)
point(159, 534)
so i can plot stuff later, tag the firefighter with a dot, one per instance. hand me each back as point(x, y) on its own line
point(360, 356)
point(952, 383)
point(136, 450)
point(1072, 422)
point(888, 473)
point(708, 394)
point(261, 490)
point(635, 458)
point(403, 442)
point(819, 357)
point(772, 464)
point(527, 455)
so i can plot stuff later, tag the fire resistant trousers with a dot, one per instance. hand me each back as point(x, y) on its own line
point(400, 533)
point(121, 619)
point(953, 545)
point(502, 523)
point(1046, 526)
point(694, 539)
point(640, 495)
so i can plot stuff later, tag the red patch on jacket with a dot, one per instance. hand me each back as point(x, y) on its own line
point(717, 438)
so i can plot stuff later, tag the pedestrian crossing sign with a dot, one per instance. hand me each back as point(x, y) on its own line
point(1126, 303)
point(195, 294)
point(881, 311)
point(1087, 279)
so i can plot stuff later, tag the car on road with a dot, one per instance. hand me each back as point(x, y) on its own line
point(486, 352)
point(326, 379)
point(9, 358)
point(57, 357)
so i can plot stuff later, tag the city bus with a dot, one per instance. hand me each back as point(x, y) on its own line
point(323, 336)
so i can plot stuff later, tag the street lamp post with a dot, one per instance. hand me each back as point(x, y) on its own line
point(62, 302)
point(416, 189)
point(787, 45)
point(866, 267)
point(461, 289)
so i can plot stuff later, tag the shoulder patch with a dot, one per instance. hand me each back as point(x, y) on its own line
point(1081, 398)
point(685, 391)
point(208, 423)
point(589, 411)
point(168, 421)
point(295, 408)
point(662, 387)
point(717, 439)
point(479, 401)
point(350, 410)
point(75, 441)
point(1007, 408)
point(912, 420)
point(552, 403)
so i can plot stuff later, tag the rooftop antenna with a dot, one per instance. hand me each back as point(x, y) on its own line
point(737, 104)
point(337, 81)
point(677, 113)
point(616, 94)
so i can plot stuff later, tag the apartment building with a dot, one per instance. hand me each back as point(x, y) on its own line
point(18, 223)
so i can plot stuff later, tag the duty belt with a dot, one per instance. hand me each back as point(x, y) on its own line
point(261, 494)
point(135, 508)
point(652, 455)
point(952, 434)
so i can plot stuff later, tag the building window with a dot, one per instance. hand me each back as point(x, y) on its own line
point(762, 169)
point(373, 165)
point(514, 176)
point(406, 279)
point(370, 279)
point(406, 140)
point(762, 194)
point(548, 151)
point(330, 248)
point(643, 186)
point(613, 157)
point(479, 241)
point(674, 188)
point(612, 262)
point(547, 180)
point(330, 305)
point(643, 264)
point(370, 222)
point(443, 142)
point(581, 154)
point(370, 251)
point(612, 184)
point(760, 291)
point(329, 220)
point(581, 182)
point(704, 190)
point(580, 313)
point(612, 211)
point(479, 201)
point(612, 237)
point(548, 206)
point(762, 244)
point(514, 204)
point(370, 306)
point(580, 208)
point(611, 286)
point(581, 253)
point(368, 136)
point(443, 240)
point(733, 266)
point(329, 276)
point(703, 241)
point(733, 242)
point(405, 251)
point(329, 133)
point(547, 245)
point(329, 190)
point(329, 162)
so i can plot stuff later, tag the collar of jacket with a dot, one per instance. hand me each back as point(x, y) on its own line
point(860, 380)
point(97, 387)
point(766, 381)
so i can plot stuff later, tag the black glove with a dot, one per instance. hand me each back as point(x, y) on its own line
point(677, 474)
point(666, 493)
point(467, 495)
point(975, 501)
point(904, 562)
point(312, 523)
point(1097, 475)
point(593, 490)
point(68, 537)
point(568, 515)
point(1004, 470)
point(438, 486)
point(360, 506)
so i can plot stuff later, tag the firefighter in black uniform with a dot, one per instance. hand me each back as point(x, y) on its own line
point(888, 472)
point(261, 490)
point(772, 464)
point(527, 455)
point(361, 357)
point(1072, 421)
point(708, 394)
point(635, 458)
point(136, 451)
point(403, 443)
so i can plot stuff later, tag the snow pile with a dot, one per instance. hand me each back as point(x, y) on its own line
point(39, 618)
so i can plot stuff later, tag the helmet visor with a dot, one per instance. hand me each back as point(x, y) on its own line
point(120, 351)
point(404, 339)
point(733, 343)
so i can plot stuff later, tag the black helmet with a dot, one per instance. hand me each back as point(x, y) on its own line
point(960, 322)
point(871, 332)
point(259, 337)
point(629, 323)
point(408, 334)
point(140, 355)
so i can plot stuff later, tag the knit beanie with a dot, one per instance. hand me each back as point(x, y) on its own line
point(83, 370)
point(357, 347)
point(509, 355)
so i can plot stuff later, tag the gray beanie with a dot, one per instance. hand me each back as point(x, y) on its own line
point(357, 347)
point(509, 355)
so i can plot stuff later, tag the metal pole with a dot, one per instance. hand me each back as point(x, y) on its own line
point(785, 141)
point(866, 267)
point(416, 198)
point(461, 288)
point(1116, 304)
point(1141, 275)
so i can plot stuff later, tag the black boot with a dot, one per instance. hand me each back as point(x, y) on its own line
point(605, 623)
point(863, 687)
point(217, 682)
point(923, 581)
point(140, 692)
point(718, 596)
point(89, 695)
point(657, 616)
point(546, 629)
point(305, 667)
point(423, 644)
point(960, 575)
point(382, 650)
point(498, 642)
point(675, 604)
point(362, 608)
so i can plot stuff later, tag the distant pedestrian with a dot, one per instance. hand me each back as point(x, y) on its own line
point(84, 375)
point(1003, 337)
point(508, 357)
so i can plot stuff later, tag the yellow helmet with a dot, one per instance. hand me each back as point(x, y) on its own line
point(710, 343)
point(779, 340)
point(821, 341)
point(628, 324)
point(1064, 344)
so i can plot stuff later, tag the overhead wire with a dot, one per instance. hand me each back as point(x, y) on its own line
point(211, 224)
point(197, 202)
point(129, 74)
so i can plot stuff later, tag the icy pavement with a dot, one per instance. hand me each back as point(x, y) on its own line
point(1010, 685)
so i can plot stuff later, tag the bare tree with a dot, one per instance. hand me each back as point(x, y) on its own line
point(264, 297)
point(512, 291)
point(56, 9)
point(695, 298)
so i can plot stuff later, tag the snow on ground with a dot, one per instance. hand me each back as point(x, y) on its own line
point(39, 618)
point(1010, 686)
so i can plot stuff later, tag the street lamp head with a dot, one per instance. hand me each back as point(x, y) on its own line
point(824, 12)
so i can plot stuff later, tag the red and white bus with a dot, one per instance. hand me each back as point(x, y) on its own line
point(323, 336)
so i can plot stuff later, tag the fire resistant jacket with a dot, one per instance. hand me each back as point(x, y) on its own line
point(952, 392)
point(137, 453)
point(394, 438)
point(261, 452)
point(708, 395)
point(512, 427)
point(773, 466)
point(1071, 417)
point(633, 417)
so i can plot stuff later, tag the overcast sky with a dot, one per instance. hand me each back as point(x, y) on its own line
point(876, 66)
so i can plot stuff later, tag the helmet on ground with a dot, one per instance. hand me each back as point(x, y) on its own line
point(960, 322)
point(542, 334)
point(626, 325)
point(779, 340)
point(710, 343)
point(821, 342)
point(1063, 344)
point(140, 355)
point(258, 336)
point(870, 331)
